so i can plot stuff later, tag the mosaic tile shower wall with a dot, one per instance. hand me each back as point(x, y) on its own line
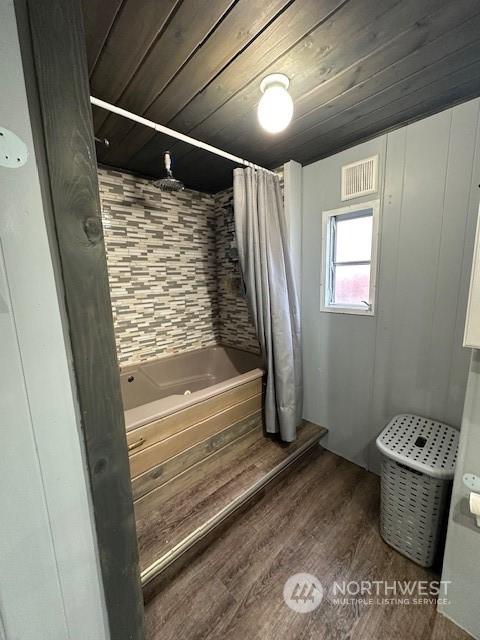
point(235, 325)
point(161, 257)
point(175, 279)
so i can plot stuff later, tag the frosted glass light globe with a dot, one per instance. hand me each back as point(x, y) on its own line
point(275, 109)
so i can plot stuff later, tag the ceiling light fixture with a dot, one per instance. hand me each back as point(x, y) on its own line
point(275, 109)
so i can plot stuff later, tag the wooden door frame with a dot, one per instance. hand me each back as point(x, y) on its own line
point(54, 55)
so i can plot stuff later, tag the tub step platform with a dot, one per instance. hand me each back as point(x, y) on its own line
point(178, 519)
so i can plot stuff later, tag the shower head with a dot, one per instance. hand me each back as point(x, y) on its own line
point(169, 183)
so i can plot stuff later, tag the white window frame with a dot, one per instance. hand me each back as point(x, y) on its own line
point(327, 245)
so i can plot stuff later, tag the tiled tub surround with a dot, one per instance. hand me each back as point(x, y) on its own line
point(162, 267)
point(173, 267)
point(235, 326)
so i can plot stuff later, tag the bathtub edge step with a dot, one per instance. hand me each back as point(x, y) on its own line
point(192, 544)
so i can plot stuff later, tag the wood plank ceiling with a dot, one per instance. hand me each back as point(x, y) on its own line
point(357, 68)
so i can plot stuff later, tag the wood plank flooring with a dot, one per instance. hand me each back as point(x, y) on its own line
point(168, 514)
point(321, 518)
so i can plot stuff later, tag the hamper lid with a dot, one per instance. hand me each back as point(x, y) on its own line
point(425, 445)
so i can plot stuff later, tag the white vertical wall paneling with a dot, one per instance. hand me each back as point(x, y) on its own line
point(420, 364)
point(472, 322)
point(339, 349)
point(402, 380)
point(386, 284)
point(409, 371)
point(458, 356)
point(463, 537)
point(451, 363)
point(462, 550)
point(360, 372)
point(50, 585)
point(30, 593)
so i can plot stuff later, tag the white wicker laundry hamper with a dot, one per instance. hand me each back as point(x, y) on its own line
point(418, 464)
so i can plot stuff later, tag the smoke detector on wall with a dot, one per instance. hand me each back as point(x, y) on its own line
point(359, 178)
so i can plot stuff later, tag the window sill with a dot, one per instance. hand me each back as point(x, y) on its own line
point(356, 311)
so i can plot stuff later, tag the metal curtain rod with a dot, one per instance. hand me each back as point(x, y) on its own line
point(175, 134)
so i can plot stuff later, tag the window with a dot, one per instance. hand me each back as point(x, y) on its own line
point(349, 238)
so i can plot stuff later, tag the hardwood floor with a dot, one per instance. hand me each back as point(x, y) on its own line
point(322, 518)
point(167, 515)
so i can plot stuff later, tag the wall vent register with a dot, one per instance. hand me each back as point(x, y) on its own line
point(349, 259)
point(359, 178)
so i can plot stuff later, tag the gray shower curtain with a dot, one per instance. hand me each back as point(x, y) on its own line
point(265, 261)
